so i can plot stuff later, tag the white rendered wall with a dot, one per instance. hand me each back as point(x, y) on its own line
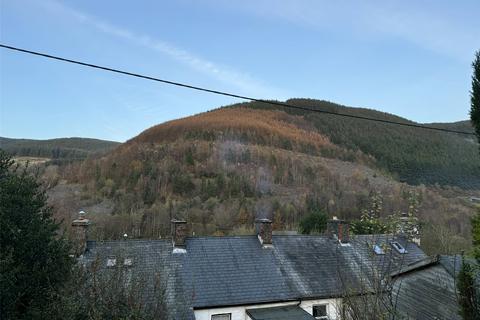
point(333, 307)
point(239, 313)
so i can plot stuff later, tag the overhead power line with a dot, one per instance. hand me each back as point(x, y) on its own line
point(223, 93)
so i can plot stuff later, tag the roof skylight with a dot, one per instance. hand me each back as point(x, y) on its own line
point(128, 262)
point(399, 247)
point(111, 262)
point(378, 250)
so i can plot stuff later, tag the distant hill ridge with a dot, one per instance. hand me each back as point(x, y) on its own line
point(61, 148)
point(412, 155)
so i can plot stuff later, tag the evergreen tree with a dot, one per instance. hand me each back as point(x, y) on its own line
point(469, 293)
point(469, 300)
point(34, 259)
point(315, 222)
point(475, 95)
point(189, 157)
point(475, 221)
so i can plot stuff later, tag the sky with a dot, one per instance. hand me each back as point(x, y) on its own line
point(410, 58)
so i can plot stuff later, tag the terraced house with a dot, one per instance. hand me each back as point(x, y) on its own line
point(279, 276)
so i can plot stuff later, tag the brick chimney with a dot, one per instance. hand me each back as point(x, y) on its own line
point(264, 231)
point(80, 227)
point(179, 233)
point(339, 230)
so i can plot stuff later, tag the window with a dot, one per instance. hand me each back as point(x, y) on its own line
point(222, 316)
point(111, 262)
point(320, 312)
point(399, 247)
point(378, 249)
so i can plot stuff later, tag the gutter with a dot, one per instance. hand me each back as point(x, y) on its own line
point(298, 300)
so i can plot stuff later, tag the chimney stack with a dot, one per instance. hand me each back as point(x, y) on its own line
point(339, 230)
point(179, 233)
point(80, 226)
point(264, 231)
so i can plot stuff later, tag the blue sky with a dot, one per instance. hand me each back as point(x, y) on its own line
point(411, 58)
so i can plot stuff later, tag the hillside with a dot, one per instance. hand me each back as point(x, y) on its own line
point(62, 148)
point(465, 125)
point(222, 169)
point(413, 155)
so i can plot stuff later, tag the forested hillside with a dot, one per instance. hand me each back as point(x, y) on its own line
point(62, 148)
point(222, 169)
point(465, 126)
point(413, 155)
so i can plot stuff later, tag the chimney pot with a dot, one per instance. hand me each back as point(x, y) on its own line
point(179, 233)
point(264, 231)
point(339, 230)
point(80, 228)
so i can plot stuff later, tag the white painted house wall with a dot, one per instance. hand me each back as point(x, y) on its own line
point(333, 307)
point(240, 313)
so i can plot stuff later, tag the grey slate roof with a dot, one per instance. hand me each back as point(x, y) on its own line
point(280, 313)
point(453, 263)
point(237, 270)
point(427, 292)
point(150, 258)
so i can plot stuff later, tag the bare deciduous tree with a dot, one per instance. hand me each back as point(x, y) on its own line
point(368, 289)
point(118, 290)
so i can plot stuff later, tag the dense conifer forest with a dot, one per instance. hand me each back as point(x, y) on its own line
point(62, 148)
point(414, 155)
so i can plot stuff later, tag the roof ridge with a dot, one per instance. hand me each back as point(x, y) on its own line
point(128, 240)
point(223, 237)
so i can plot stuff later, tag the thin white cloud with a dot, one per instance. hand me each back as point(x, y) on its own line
point(428, 29)
point(242, 81)
point(424, 24)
